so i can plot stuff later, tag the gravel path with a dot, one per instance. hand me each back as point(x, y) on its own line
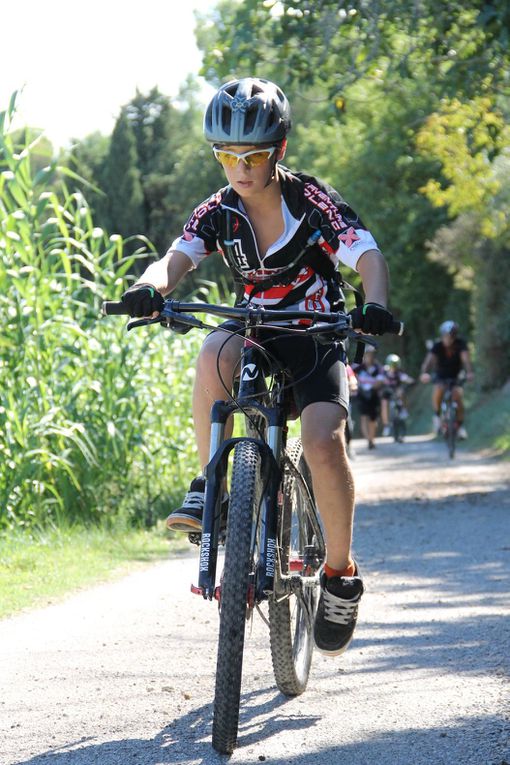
point(123, 673)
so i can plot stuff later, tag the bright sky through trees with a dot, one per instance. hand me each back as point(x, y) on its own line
point(80, 61)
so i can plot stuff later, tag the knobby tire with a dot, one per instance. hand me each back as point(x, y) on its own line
point(245, 490)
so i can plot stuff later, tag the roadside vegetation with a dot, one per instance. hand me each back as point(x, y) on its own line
point(95, 430)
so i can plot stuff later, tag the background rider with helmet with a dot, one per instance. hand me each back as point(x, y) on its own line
point(396, 381)
point(371, 381)
point(447, 357)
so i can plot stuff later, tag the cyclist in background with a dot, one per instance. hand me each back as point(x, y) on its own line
point(282, 234)
point(446, 359)
point(396, 381)
point(371, 381)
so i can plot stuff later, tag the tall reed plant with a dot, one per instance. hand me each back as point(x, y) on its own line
point(94, 423)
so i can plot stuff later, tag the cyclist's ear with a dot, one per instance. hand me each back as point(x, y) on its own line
point(281, 150)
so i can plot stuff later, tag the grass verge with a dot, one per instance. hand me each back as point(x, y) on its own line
point(38, 569)
point(488, 422)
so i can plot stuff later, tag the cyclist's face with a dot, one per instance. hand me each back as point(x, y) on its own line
point(249, 181)
point(447, 339)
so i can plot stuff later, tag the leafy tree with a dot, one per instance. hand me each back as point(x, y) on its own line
point(122, 182)
point(469, 140)
point(457, 46)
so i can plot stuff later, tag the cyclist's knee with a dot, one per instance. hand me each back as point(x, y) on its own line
point(323, 438)
point(216, 352)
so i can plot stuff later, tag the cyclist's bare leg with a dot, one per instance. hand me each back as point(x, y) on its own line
point(385, 411)
point(368, 428)
point(322, 433)
point(208, 388)
point(437, 397)
point(458, 397)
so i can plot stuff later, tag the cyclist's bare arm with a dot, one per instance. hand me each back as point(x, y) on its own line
point(466, 363)
point(373, 270)
point(428, 363)
point(166, 273)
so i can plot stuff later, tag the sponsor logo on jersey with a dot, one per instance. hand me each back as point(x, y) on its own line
point(323, 202)
point(349, 237)
point(236, 249)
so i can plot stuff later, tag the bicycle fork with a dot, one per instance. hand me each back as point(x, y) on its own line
point(215, 471)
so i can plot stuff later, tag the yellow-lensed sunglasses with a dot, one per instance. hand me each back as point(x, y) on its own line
point(252, 158)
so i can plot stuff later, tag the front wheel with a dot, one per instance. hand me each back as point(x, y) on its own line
point(245, 494)
point(451, 436)
point(301, 552)
point(399, 429)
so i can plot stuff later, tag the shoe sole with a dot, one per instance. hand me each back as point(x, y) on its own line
point(337, 652)
point(183, 523)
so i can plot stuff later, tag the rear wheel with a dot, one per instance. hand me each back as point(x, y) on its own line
point(301, 551)
point(245, 492)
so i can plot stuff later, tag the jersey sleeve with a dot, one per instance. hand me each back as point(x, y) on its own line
point(200, 236)
point(344, 237)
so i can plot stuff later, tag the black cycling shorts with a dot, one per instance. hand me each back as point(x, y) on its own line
point(369, 404)
point(317, 369)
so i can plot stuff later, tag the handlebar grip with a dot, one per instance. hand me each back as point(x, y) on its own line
point(397, 328)
point(114, 308)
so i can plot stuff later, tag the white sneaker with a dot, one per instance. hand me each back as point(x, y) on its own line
point(386, 431)
point(462, 433)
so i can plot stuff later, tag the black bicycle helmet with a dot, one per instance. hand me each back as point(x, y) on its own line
point(249, 111)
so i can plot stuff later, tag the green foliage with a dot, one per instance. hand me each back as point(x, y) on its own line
point(123, 184)
point(455, 47)
point(465, 138)
point(93, 423)
point(153, 171)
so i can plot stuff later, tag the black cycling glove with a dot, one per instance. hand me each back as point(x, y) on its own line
point(372, 318)
point(142, 300)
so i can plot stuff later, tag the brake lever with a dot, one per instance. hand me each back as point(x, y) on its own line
point(361, 338)
point(142, 323)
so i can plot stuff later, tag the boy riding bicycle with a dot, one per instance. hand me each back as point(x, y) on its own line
point(281, 234)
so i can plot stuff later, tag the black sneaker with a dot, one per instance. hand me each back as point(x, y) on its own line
point(188, 517)
point(337, 612)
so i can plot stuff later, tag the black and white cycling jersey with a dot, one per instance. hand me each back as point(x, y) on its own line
point(309, 206)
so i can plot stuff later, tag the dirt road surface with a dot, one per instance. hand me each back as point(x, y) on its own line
point(122, 674)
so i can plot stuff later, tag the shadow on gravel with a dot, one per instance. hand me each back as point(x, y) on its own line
point(472, 741)
point(445, 565)
point(187, 739)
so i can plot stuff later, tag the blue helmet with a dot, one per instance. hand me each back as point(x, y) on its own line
point(249, 111)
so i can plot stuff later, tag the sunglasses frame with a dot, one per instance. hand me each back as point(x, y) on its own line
point(217, 149)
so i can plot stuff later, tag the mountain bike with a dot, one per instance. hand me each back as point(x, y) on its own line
point(448, 415)
point(273, 538)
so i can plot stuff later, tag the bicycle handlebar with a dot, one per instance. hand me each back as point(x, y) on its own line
point(260, 315)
